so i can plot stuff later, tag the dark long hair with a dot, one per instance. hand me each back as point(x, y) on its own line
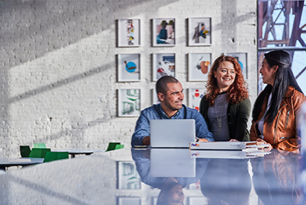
point(236, 92)
point(283, 79)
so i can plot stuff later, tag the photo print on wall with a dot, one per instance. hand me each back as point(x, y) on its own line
point(198, 66)
point(194, 97)
point(128, 102)
point(128, 32)
point(242, 59)
point(164, 32)
point(163, 65)
point(199, 31)
point(128, 67)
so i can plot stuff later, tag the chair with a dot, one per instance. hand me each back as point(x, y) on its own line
point(39, 152)
point(114, 146)
point(52, 156)
point(40, 145)
point(25, 150)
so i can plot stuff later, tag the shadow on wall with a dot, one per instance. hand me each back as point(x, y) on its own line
point(41, 27)
point(31, 29)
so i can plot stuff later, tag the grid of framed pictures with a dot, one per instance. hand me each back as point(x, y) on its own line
point(164, 64)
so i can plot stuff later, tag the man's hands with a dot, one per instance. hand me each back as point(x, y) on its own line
point(202, 140)
point(146, 140)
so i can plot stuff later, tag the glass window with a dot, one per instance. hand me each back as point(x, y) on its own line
point(282, 25)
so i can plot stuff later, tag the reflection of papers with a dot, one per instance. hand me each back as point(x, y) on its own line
point(226, 154)
point(247, 146)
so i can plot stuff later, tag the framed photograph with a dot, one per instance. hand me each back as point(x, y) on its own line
point(198, 66)
point(127, 176)
point(194, 97)
point(163, 32)
point(199, 31)
point(155, 99)
point(128, 67)
point(163, 65)
point(128, 102)
point(128, 32)
point(242, 59)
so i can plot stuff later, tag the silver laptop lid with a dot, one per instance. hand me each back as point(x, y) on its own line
point(174, 133)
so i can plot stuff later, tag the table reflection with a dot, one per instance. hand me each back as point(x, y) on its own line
point(171, 187)
point(276, 178)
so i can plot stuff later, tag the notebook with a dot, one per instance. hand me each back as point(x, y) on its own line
point(171, 163)
point(175, 133)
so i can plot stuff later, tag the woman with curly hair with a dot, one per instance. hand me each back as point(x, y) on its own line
point(275, 108)
point(226, 106)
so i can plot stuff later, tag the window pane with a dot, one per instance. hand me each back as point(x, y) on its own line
point(298, 69)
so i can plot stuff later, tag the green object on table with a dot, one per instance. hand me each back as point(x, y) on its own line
point(114, 146)
point(39, 152)
point(25, 150)
point(52, 156)
point(39, 145)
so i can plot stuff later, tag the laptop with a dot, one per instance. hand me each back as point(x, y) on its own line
point(172, 133)
point(172, 163)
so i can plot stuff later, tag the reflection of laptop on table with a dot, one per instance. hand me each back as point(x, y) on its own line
point(171, 163)
point(172, 133)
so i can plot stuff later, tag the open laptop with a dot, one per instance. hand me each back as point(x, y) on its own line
point(176, 133)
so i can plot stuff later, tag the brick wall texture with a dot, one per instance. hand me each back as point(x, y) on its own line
point(58, 80)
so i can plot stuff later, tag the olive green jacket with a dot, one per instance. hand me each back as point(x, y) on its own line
point(237, 117)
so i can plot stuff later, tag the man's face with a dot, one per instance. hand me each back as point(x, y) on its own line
point(173, 100)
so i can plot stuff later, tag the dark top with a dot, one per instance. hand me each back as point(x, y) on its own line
point(237, 117)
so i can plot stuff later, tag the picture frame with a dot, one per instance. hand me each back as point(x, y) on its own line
point(194, 97)
point(128, 32)
point(128, 102)
point(127, 175)
point(128, 67)
point(198, 66)
point(163, 32)
point(163, 65)
point(155, 99)
point(199, 31)
point(242, 59)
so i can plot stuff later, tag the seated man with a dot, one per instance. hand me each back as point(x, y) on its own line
point(170, 94)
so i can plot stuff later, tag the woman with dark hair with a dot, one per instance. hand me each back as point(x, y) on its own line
point(226, 107)
point(276, 106)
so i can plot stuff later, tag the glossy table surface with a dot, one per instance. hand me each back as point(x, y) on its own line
point(170, 176)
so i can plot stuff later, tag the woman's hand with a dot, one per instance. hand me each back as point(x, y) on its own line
point(233, 140)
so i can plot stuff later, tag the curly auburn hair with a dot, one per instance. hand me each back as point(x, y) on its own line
point(236, 92)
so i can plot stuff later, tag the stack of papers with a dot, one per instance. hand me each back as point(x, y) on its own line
point(228, 150)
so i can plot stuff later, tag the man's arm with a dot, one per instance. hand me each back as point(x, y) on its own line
point(202, 129)
point(141, 135)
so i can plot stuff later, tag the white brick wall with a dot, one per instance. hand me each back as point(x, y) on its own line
point(58, 71)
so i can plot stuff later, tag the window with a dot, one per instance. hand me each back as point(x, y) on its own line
point(282, 25)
